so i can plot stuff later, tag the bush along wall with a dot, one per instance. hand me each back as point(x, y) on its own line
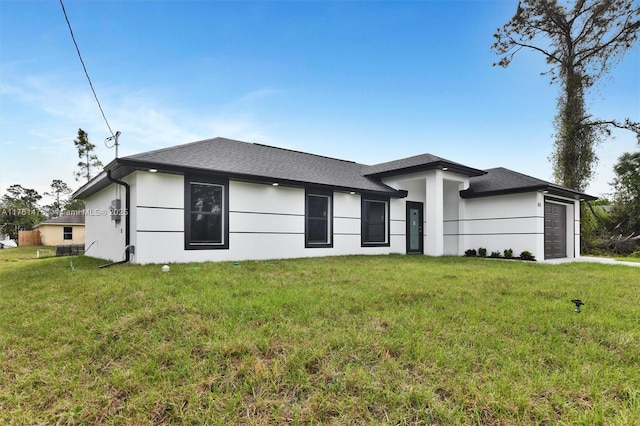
point(506, 254)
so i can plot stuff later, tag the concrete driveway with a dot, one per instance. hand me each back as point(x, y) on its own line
point(608, 261)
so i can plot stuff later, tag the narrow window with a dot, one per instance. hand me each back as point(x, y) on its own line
point(319, 220)
point(206, 215)
point(375, 222)
point(67, 233)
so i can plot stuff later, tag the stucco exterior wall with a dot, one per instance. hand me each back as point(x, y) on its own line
point(515, 221)
point(439, 191)
point(415, 185)
point(157, 224)
point(267, 222)
point(501, 222)
point(53, 234)
point(453, 238)
point(104, 237)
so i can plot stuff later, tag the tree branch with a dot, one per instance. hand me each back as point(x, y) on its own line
point(632, 126)
point(625, 35)
point(538, 49)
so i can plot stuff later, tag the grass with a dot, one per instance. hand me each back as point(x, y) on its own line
point(628, 258)
point(342, 340)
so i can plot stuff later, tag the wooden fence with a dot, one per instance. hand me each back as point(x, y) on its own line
point(29, 238)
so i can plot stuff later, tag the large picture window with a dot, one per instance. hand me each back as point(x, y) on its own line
point(319, 220)
point(206, 214)
point(375, 222)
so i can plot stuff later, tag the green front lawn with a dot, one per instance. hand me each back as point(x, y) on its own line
point(629, 259)
point(355, 340)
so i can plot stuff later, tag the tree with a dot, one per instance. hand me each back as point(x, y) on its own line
point(74, 204)
point(24, 197)
point(582, 41)
point(89, 161)
point(626, 207)
point(58, 190)
point(19, 210)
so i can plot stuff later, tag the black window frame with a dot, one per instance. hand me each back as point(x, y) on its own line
point(312, 192)
point(67, 235)
point(211, 181)
point(364, 221)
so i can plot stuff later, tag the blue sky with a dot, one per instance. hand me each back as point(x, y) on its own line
point(368, 81)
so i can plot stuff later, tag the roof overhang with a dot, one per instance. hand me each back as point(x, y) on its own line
point(545, 189)
point(58, 224)
point(122, 167)
point(443, 165)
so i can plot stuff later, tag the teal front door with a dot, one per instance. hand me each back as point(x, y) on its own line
point(415, 218)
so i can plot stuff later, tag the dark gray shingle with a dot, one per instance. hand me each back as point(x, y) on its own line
point(243, 160)
point(247, 159)
point(501, 180)
point(417, 163)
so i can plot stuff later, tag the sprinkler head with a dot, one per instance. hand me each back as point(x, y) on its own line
point(578, 303)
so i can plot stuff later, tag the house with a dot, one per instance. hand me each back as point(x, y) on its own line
point(64, 230)
point(222, 199)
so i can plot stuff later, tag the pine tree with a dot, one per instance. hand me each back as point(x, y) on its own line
point(89, 161)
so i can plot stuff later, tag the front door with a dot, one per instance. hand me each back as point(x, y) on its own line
point(415, 218)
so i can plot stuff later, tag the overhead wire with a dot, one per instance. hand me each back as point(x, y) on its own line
point(85, 68)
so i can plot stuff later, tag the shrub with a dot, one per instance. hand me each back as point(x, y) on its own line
point(526, 255)
point(495, 254)
point(471, 253)
point(482, 252)
point(508, 253)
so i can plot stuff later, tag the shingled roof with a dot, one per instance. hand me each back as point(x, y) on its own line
point(262, 163)
point(498, 181)
point(241, 158)
point(71, 218)
point(420, 163)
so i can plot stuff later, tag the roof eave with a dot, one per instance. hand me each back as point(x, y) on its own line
point(442, 165)
point(90, 186)
point(546, 189)
point(60, 224)
point(124, 166)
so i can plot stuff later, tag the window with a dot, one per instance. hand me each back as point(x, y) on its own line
point(318, 220)
point(375, 222)
point(206, 214)
point(67, 233)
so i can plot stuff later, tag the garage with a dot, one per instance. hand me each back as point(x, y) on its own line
point(555, 230)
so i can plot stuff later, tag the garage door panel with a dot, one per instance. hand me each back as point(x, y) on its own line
point(555, 230)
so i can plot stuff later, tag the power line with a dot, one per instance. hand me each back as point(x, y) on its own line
point(85, 68)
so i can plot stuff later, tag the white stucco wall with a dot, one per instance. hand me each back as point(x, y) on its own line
point(267, 222)
point(104, 238)
point(452, 225)
point(515, 221)
point(501, 222)
point(439, 191)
